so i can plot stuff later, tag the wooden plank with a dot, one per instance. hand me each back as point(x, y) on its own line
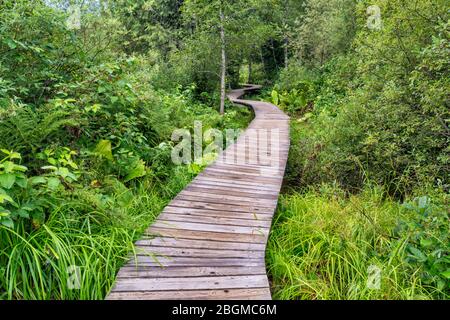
point(241, 177)
point(248, 184)
point(198, 253)
point(231, 207)
point(205, 235)
point(227, 294)
point(233, 192)
point(244, 168)
point(204, 181)
point(218, 213)
point(197, 283)
point(221, 195)
point(199, 244)
point(251, 204)
point(216, 219)
point(183, 271)
point(158, 261)
point(274, 175)
point(181, 225)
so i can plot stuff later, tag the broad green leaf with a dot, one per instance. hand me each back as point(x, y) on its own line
point(446, 274)
point(15, 155)
point(63, 172)
point(49, 168)
point(5, 198)
point(7, 222)
point(425, 242)
point(423, 202)
point(125, 198)
point(7, 180)
point(8, 166)
point(38, 180)
point(96, 107)
point(275, 97)
point(20, 168)
point(53, 183)
point(418, 254)
point(137, 172)
point(23, 213)
point(21, 181)
point(101, 89)
point(4, 212)
point(104, 149)
point(10, 43)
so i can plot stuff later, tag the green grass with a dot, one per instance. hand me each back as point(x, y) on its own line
point(82, 233)
point(323, 242)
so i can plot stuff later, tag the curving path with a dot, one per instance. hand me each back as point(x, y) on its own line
point(209, 242)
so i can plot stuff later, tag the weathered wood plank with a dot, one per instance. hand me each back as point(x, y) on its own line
point(231, 207)
point(182, 225)
point(200, 244)
point(188, 283)
point(218, 213)
point(183, 271)
point(211, 194)
point(159, 261)
point(198, 253)
point(216, 219)
point(227, 294)
point(206, 235)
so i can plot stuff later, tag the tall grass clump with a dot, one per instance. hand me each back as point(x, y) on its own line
point(77, 252)
point(327, 245)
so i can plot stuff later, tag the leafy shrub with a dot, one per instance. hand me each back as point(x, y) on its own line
point(381, 119)
point(24, 197)
point(427, 237)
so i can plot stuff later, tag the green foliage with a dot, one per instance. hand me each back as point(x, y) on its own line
point(380, 109)
point(326, 29)
point(378, 116)
point(295, 101)
point(28, 197)
point(427, 241)
point(103, 149)
point(323, 244)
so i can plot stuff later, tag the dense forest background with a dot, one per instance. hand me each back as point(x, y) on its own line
point(90, 92)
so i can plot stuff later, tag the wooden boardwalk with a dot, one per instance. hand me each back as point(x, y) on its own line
point(209, 242)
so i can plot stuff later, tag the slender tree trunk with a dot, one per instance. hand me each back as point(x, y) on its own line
point(223, 63)
point(286, 37)
point(286, 58)
point(249, 80)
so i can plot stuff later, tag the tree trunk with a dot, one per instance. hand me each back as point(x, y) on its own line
point(286, 58)
point(249, 80)
point(223, 63)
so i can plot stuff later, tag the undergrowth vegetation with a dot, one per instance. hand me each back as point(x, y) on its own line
point(367, 177)
point(325, 244)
